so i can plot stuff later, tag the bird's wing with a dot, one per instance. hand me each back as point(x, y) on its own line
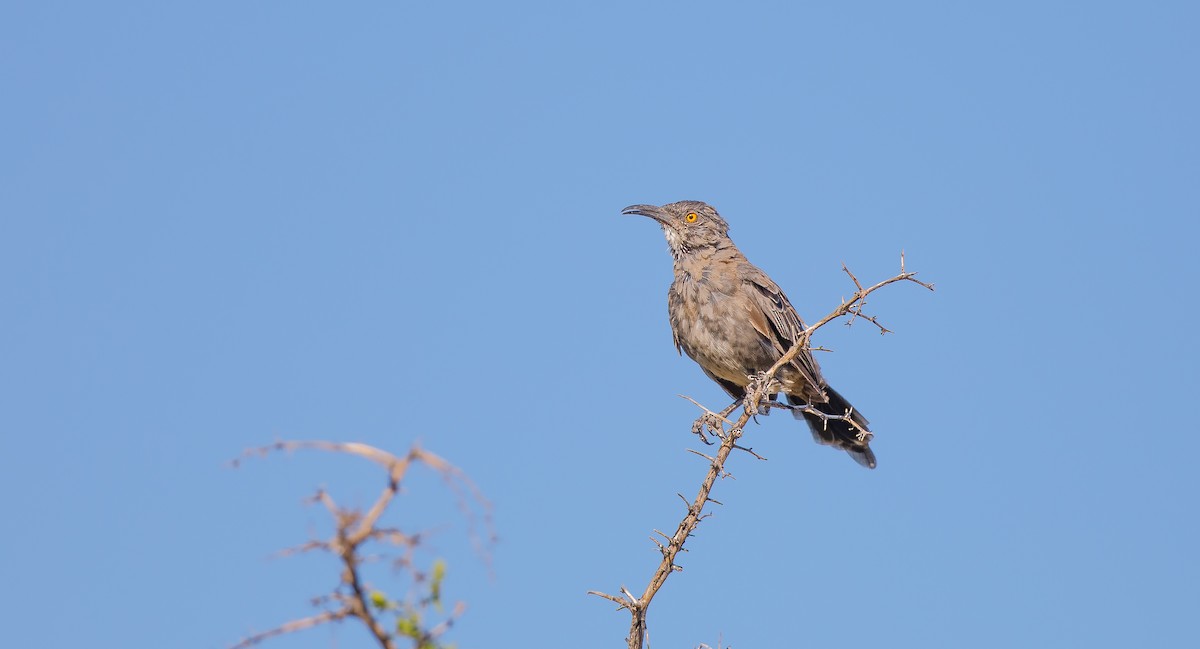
point(674, 303)
point(777, 321)
point(734, 390)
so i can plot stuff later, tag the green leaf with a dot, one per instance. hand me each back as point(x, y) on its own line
point(435, 583)
point(408, 626)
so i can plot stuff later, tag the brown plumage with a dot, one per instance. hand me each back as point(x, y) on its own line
point(730, 318)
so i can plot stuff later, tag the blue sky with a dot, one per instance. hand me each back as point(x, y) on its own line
point(223, 224)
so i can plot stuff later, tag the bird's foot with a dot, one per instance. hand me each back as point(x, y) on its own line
point(763, 408)
point(709, 422)
point(761, 394)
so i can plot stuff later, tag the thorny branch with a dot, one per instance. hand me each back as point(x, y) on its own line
point(354, 598)
point(714, 422)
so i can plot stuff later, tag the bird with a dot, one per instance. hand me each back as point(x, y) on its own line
point(730, 318)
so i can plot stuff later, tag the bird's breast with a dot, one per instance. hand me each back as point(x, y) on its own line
point(711, 323)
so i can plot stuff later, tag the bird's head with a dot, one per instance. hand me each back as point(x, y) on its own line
point(689, 226)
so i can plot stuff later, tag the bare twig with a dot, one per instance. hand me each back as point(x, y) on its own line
point(748, 450)
point(619, 602)
point(293, 626)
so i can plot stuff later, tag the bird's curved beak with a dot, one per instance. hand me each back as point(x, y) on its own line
point(653, 211)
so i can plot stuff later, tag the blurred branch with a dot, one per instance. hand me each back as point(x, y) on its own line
point(353, 598)
point(718, 425)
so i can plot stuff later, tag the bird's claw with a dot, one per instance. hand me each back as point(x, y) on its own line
point(708, 423)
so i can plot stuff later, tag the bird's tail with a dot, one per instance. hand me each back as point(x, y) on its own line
point(839, 433)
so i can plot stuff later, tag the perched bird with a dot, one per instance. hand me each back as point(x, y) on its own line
point(730, 318)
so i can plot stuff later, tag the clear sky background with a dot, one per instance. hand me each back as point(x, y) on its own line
point(227, 223)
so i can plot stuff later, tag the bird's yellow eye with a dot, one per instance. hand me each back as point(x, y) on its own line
point(691, 217)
